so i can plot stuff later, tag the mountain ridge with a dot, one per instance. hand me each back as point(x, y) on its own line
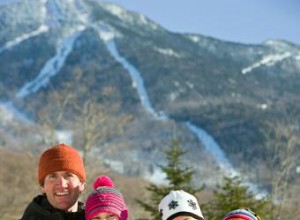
point(231, 90)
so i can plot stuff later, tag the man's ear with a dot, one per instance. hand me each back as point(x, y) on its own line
point(82, 187)
point(43, 190)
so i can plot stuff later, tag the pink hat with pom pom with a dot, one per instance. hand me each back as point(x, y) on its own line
point(105, 198)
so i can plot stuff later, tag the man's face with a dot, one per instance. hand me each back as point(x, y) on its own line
point(63, 190)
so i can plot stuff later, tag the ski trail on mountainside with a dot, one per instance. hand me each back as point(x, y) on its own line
point(41, 29)
point(16, 41)
point(211, 146)
point(51, 68)
point(207, 140)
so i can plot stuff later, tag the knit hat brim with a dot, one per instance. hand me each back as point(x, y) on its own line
point(240, 214)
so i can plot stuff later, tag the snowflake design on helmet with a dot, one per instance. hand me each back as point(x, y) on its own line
point(173, 204)
point(192, 204)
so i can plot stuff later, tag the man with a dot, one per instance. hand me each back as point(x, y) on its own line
point(61, 175)
point(179, 205)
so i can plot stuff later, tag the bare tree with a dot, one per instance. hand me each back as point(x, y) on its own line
point(50, 116)
point(73, 107)
point(97, 124)
point(282, 141)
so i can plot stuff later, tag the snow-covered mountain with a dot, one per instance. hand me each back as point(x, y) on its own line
point(219, 95)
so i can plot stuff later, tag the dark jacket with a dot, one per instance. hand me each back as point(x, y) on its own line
point(40, 209)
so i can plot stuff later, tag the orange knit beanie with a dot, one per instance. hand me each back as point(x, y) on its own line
point(60, 158)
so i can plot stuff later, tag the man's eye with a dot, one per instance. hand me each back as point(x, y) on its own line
point(69, 175)
point(52, 176)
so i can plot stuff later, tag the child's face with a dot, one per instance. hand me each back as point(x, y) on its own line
point(184, 217)
point(105, 216)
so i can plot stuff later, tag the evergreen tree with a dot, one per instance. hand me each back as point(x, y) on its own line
point(178, 176)
point(231, 195)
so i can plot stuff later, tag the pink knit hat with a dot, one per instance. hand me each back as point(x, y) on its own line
point(105, 198)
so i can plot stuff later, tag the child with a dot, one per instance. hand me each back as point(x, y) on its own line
point(241, 214)
point(179, 205)
point(105, 202)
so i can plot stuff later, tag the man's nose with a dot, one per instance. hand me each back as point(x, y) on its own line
point(62, 181)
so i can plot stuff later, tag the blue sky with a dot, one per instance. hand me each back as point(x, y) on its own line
point(244, 21)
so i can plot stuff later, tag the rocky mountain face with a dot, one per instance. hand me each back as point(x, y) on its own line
point(218, 98)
